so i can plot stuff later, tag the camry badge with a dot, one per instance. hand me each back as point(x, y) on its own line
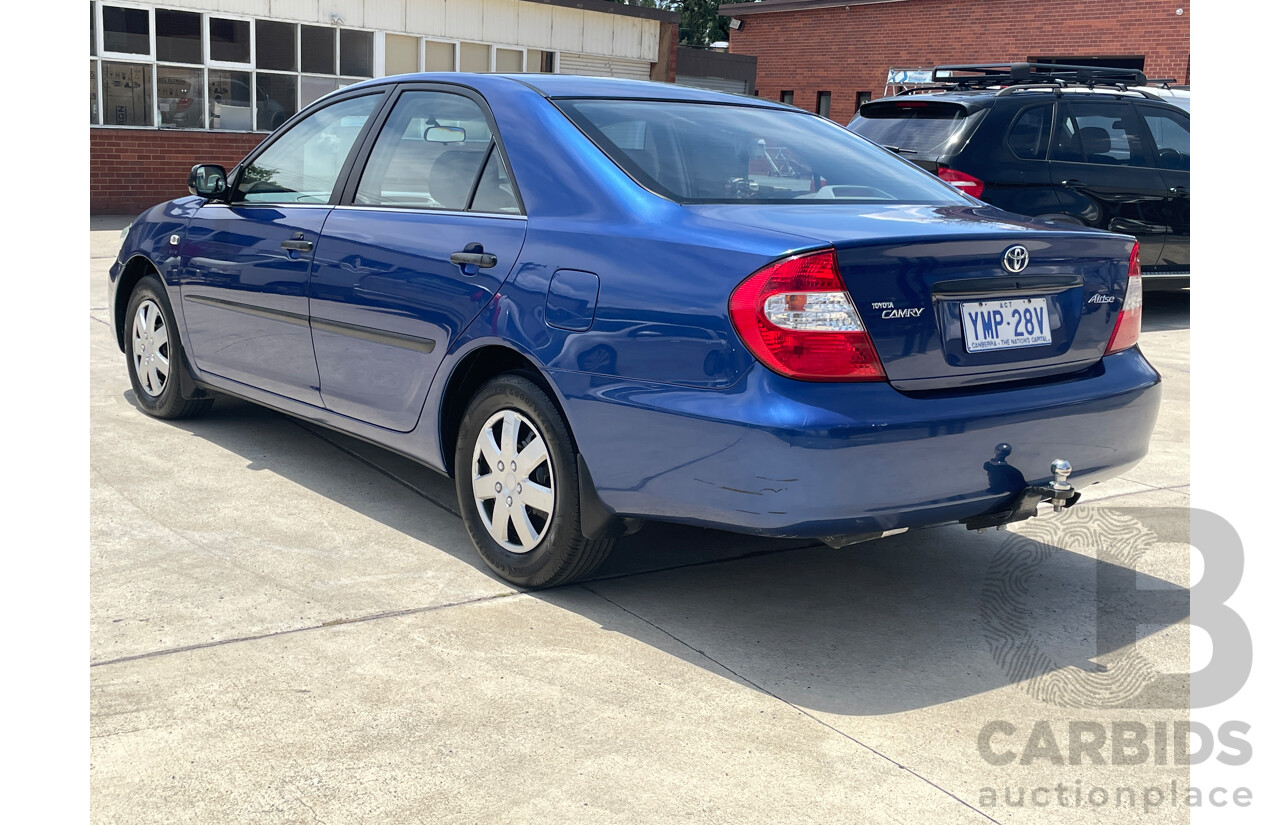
point(1015, 259)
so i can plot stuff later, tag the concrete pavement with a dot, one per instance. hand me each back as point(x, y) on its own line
point(291, 626)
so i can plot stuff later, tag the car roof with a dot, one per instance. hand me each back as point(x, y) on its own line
point(981, 98)
point(569, 86)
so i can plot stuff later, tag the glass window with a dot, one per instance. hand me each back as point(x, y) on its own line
point(494, 192)
point(126, 93)
point(93, 91)
point(824, 104)
point(230, 104)
point(508, 61)
point(277, 100)
point(1029, 135)
point(126, 31)
point(277, 45)
point(180, 97)
point(1105, 133)
point(473, 57)
point(788, 97)
point(93, 31)
point(428, 154)
point(355, 53)
point(698, 152)
point(916, 127)
point(228, 40)
point(401, 54)
point(178, 37)
point(1171, 133)
point(304, 164)
point(311, 89)
point(440, 57)
point(319, 50)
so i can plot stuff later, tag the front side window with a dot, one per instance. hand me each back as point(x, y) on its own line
point(428, 155)
point(707, 153)
point(1103, 133)
point(1171, 135)
point(303, 165)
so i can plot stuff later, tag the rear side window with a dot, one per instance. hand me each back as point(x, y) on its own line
point(430, 154)
point(916, 127)
point(1029, 134)
point(1104, 133)
point(714, 153)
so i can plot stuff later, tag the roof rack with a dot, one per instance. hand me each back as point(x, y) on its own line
point(989, 75)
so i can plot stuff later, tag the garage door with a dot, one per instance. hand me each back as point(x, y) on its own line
point(716, 84)
point(600, 66)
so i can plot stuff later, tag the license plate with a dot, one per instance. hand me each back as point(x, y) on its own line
point(1018, 322)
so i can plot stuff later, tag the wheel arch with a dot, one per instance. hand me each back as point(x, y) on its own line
point(471, 373)
point(137, 268)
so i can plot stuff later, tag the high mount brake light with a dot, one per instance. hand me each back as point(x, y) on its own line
point(796, 317)
point(1129, 324)
point(967, 184)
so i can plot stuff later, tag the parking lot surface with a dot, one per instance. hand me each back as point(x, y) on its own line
point(287, 625)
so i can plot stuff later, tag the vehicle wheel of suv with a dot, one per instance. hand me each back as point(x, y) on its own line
point(154, 354)
point(517, 479)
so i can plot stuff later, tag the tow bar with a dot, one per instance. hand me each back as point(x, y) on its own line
point(1057, 492)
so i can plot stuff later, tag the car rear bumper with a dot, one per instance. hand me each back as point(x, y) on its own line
point(773, 456)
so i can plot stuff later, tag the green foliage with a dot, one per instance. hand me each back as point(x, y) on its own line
point(700, 24)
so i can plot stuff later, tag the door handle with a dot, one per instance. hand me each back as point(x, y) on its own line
point(1072, 183)
point(1180, 191)
point(297, 245)
point(480, 260)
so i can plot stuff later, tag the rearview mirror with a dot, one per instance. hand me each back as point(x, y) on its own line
point(445, 134)
point(208, 180)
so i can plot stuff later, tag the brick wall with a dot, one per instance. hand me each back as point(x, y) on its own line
point(136, 168)
point(850, 48)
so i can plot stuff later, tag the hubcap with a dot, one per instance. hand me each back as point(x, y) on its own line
point(150, 348)
point(514, 504)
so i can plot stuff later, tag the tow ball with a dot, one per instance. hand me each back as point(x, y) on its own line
point(1057, 492)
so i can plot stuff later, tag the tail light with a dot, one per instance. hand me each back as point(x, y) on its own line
point(1129, 324)
point(797, 318)
point(967, 184)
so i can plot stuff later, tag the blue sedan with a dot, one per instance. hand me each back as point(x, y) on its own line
point(599, 302)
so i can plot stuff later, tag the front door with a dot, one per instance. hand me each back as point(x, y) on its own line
point(247, 262)
point(1171, 144)
point(433, 229)
point(1099, 162)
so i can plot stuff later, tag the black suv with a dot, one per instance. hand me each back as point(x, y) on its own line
point(1079, 144)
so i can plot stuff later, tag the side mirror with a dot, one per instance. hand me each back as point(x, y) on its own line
point(208, 180)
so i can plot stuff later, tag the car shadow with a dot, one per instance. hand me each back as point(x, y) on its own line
point(907, 622)
point(1166, 310)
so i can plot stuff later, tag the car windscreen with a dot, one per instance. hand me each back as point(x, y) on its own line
point(695, 152)
point(918, 128)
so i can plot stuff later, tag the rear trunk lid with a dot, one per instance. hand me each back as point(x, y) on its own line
point(943, 310)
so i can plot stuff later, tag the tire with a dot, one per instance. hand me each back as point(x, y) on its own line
point(153, 350)
point(525, 520)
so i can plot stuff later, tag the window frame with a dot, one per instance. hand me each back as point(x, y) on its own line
point(125, 57)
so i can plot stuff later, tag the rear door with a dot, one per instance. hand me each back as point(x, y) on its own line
point(247, 262)
point(429, 229)
point(1099, 162)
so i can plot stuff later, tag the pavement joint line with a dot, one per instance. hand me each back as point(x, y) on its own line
point(387, 614)
point(794, 707)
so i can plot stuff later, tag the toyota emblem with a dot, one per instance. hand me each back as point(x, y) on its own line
point(1015, 259)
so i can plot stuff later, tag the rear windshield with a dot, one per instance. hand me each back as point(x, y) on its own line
point(715, 153)
point(915, 127)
